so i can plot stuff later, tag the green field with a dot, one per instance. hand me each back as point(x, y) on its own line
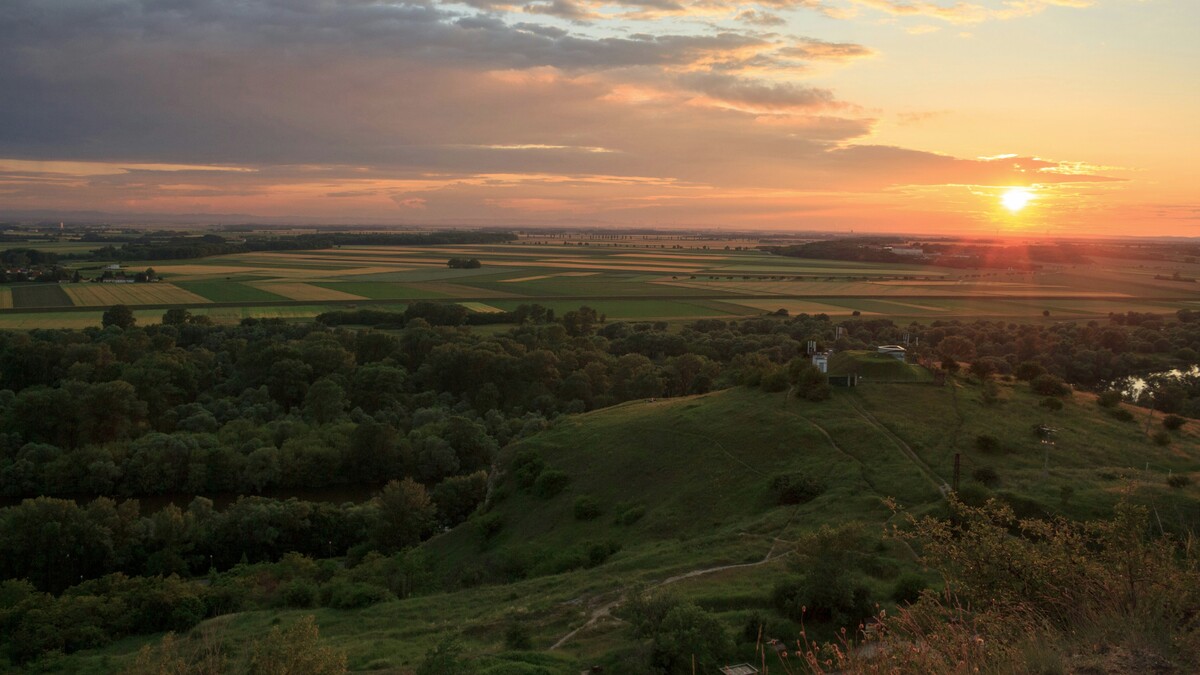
point(39, 295)
point(228, 291)
point(709, 529)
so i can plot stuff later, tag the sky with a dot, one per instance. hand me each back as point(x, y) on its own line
point(919, 116)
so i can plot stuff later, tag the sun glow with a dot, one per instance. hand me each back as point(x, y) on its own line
point(1015, 199)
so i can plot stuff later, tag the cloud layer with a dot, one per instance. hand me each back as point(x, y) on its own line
point(479, 110)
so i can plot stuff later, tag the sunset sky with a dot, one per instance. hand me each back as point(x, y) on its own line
point(871, 115)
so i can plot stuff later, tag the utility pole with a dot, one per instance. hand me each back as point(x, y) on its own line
point(957, 467)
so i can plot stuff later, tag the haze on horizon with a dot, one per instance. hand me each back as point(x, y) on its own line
point(880, 115)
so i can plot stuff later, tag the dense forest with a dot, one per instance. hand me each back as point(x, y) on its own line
point(411, 415)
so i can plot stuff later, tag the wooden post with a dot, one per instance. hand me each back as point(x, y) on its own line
point(957, 466)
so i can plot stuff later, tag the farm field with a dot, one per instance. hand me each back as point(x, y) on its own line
point(625, 277)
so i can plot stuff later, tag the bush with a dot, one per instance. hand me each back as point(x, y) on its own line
point(1109, 398)
point(1049, 385)
point(489, 525)
point(1121, 414)
point(526, 467)
point(987, 443)
point(300, 593)
point(908, 588)
point(631, 515)
point(550, 483)
point(587, 508)
point(1179, 480)
point(1029, 370)
point(1173, 422)
point(1161, 438)
point(1051, 403)
point(795, 488)
point(517, 637)
point(350, 595)
point(986, 475)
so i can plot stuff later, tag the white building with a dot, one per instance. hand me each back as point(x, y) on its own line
point(821, 361)
point(895, 351)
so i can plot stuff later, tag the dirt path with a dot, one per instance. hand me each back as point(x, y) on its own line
point(934, 479)
point(606, 609)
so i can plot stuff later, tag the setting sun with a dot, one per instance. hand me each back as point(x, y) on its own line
point(1015, 199)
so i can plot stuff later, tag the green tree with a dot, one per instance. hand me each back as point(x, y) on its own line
point(176, 317)
point(325, 401)
point(120, 316)
point(404, 514)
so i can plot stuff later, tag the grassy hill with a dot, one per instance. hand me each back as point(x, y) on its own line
point(875, 367)
point(679, 491)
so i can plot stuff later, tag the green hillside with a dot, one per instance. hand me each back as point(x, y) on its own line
point(875, 367)
point(651, 491)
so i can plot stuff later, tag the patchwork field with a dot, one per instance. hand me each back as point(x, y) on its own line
point(626, 277)
point(107, 295)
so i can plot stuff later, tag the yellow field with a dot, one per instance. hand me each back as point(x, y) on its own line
point(481, 308)
point(5, 298)
point(301, 291)
point(102, 295)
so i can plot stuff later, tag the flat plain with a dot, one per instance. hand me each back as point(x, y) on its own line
point(626, 278)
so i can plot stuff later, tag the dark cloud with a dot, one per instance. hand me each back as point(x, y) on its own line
point(769, 96)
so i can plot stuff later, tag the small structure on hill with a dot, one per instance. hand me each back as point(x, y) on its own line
point(895, 351)
point(850, 380)
point(821, 361)
point(739, 669)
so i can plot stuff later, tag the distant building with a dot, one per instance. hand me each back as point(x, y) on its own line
point(821, 361)
point(114, 266)
point(895, 351)
point(739, 669)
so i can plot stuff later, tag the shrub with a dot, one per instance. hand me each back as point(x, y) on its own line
point(1051, 403)
point(587, 508)
point(987, 443)
point(1121, 414)
point(795, 488)
point(631, 515)
point(550, 483)
point(986, 475)
point(1161, 438)
point(489, 525)
point(775, 381)
point(974, 494)
point(1179, 480)
point(1109, 398)
point(526, 467)
point(1029, 370)
point(350, 595)
point(1173, 422)
point(298, 593)
point(908, 588)
point(517, 636)
point(1049, 385)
